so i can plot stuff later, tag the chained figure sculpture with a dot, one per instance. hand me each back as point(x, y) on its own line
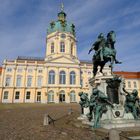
point(84, 101)
point(98, 106)
point(132, 103)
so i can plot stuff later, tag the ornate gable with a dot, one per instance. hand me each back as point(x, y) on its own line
point(63, 59)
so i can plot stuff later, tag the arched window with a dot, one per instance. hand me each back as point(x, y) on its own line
point(39, 81)
point(50, 96)
point(62, 77)
point(72, 97)
point(52, 47)
point(18, 81)
point(8, 81)
point(29, 81)
point(51, 77)
point(72, 78)
point(62, 47)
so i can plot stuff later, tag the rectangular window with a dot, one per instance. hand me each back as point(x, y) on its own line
point(62, 47)
point(30, 70)
point(9, 69)
point(8, 81)
point(29, 81)
point(62, 79)
point(18, 82)
point(52, 47)
point(129, 84)
point(5, 97)
point(39, 81)
point(40, 71)
point(51, 78)
point(17, 95)
point(135, 84)
point(28, 95)
point(19, 70)
point(38, 96)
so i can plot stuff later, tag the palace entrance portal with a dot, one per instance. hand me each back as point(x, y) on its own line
point(62, 97)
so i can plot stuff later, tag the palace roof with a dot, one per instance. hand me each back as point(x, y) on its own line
point(30, 58)
point(128, 75)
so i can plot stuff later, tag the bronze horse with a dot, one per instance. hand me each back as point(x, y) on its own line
point(104, 52)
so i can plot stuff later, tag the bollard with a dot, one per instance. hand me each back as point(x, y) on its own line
point(46, 120)
point(70, 111)
point(114, 135)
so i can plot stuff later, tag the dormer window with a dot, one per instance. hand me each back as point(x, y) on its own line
point(63, 36)
point(62, 47)
point(52, 47)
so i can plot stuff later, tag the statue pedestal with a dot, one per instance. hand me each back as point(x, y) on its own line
point(114, 117)
point(117, 118)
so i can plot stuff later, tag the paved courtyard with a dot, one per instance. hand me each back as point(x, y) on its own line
point(25, 122)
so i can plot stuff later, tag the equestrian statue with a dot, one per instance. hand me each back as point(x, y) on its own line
point(104, 52)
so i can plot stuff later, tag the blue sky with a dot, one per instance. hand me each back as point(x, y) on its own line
point(23, 27)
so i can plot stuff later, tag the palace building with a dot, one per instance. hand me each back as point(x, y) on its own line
point(56, 78)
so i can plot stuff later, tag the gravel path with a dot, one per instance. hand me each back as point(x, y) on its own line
point(25, 122)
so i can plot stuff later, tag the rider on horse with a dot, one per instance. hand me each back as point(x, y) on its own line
point(104, 52)
point(110, 42)
point(101, 43)
point(98, 47)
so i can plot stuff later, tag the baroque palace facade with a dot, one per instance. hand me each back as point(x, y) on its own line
point(58, 77)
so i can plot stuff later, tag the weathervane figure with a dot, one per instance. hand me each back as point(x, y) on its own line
point(62, 6)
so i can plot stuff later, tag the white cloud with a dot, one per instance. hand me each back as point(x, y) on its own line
point(90, 17)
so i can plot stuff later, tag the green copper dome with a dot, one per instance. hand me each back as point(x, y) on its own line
point(61, 24)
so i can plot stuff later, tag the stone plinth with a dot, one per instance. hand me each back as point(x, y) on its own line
point(114, 117)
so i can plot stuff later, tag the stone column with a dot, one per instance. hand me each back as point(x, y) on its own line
point(24, 82)
point(2, 81)
point(35, 82)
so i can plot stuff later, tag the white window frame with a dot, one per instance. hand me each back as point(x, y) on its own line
point(19, 70)
point(50, 97)
point(38, 97)
point(40, 71)
point(72, 97)
point(39, 81)
point(52, 47)
point(30, 70)
point(129, 84)
point(62, 47)
point(28, 97)
point(17, 95)
point(29, 81)
point(8, 81)
point(72, 78)
point(51, 79)
point(8, 69)
point(135, 84)
point(5, 92)
point(62, 77)
point(18, 81)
